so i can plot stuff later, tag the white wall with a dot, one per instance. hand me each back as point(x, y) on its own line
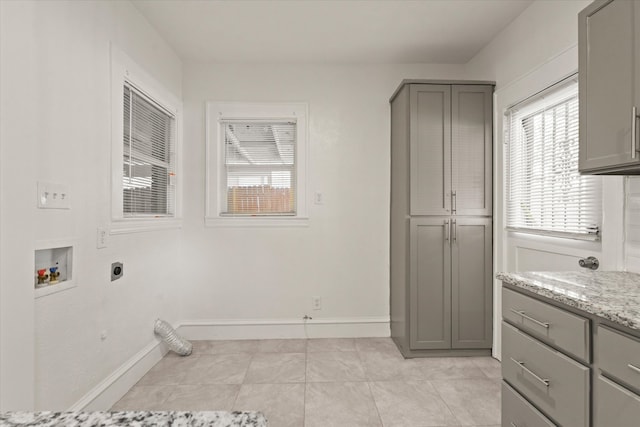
point(343, 255)
point(56, 113)
point(55, 72)
point(632, 224)
point(536, 50)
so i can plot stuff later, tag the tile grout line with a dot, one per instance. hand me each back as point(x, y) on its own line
point(235, 400)
point(443, 399)
point(367, 379)
point(375, 404)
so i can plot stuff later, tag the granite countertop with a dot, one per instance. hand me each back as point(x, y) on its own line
point(612, 295)
point(134, 418)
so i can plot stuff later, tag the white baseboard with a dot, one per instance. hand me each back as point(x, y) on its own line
point(104, 395)
point(230, 329)
point(112, 388)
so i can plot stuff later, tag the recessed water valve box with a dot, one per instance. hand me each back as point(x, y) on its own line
point(117, 271)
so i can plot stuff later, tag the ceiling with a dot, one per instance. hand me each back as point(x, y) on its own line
point(329, 31)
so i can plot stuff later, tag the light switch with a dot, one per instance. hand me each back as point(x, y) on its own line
point(53, 196)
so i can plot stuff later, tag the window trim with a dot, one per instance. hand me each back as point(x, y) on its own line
point(125, 70)
point(214, 173)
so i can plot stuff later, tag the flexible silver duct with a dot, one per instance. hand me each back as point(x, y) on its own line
point(170, 336)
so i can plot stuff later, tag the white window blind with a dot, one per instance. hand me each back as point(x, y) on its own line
point(545, 192)
point(149, 158)
point(259, 161)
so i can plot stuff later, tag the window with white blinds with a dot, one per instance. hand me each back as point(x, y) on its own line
point(260, 167)
point(148, 155)
point(545, 193)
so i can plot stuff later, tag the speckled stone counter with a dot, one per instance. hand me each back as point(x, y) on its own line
point(612, 295)
point(134, 418)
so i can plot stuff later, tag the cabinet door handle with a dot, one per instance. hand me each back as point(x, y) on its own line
point(454, 202)
point(455, 231)
point(544, 381)
point(513, 424)
point(447, 230)
point(634, 131)
point(634, 368)
point(536, 321)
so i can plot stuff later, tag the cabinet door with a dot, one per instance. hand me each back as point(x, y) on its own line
point(430, 148)
point(430, 284)
point(608, 80)
point(614, 405)
point(471, 283)
point(471, 149)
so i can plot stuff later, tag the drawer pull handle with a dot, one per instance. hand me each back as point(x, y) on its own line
point(513, 425)
point(633, 367)
point(544, 381)
point(522, 314)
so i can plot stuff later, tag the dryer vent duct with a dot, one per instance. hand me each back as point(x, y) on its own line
point(175, 342)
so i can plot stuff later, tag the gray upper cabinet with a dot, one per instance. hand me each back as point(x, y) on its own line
point(451, 145)
point(609, 87)
point(472, 149)
point(430, 124)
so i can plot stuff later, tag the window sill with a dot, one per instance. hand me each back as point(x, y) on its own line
point(552, 235)
point(126, 226)
point(256, 221)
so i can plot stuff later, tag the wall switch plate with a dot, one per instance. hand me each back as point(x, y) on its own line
point(53, 196)
point(102, 238)
point(318, 198)
point(316, 303)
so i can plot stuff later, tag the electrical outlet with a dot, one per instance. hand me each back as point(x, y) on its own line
point(316, 303)
point(102, 238)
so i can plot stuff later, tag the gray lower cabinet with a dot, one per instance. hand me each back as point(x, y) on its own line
point(548, 324)
point(549, 376)
point(617, 387)
point(450, 283)
point(609, 87)
point(615, 406)
point(471, 283)
point(430, 284)
point(553, 382)
point(519, 412)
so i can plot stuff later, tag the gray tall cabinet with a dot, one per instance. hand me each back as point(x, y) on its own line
point(441, 217)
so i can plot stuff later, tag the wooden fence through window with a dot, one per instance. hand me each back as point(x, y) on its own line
point(259, 199)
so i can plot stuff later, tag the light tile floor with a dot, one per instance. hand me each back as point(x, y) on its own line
point(324, 382)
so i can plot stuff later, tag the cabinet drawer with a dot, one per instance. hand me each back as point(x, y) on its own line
point(618, 355)
point(516, 411)
point(553, 382)
point(615, 406)
point(547, 323)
